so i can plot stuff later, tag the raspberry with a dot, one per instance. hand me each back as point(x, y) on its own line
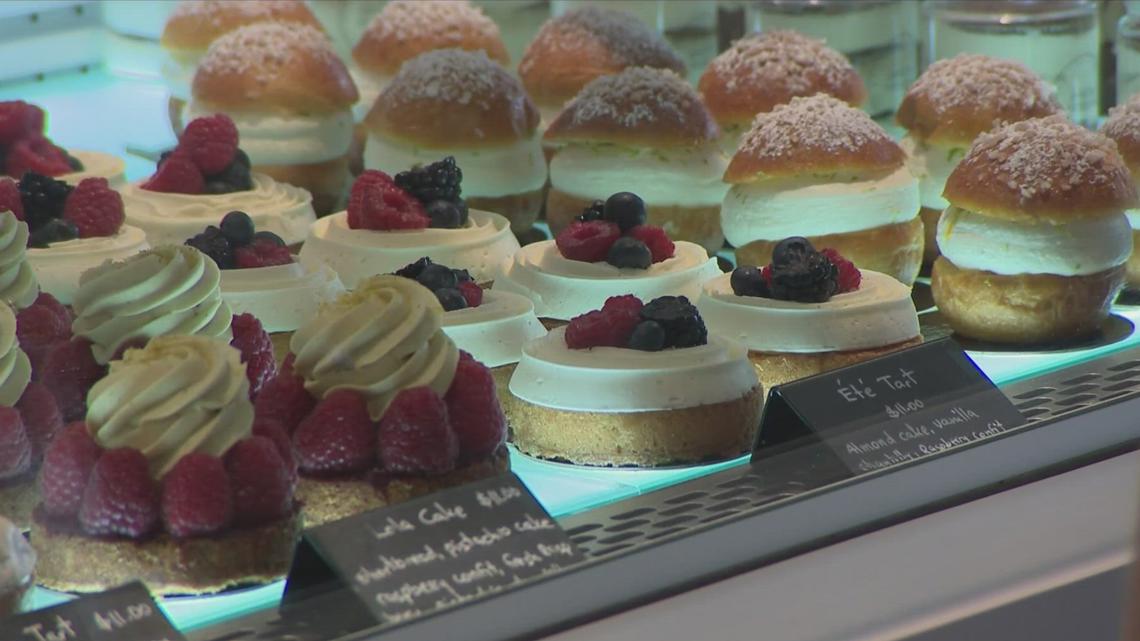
point(256, 351)
point(655, 239)
point(627, 305)
point(472, 293)
point(766, 274)
point(210, 142)
point(375, 202)
point(15, 446)
point(38, 155)
point(416, 436)
point(18, 119)
point(849, 275)
point(285, 400)
point(176, 175)
point(610, 326)
point(272, 430)
point(45, 299)
point(474, 411)
point(67, 465)
point(262, 253)
point(259, 480)
point(10, 198)
point(69, 370)
point(121, 499)
point(337, 436)
point(38, 328)
point(41, 416)
point(196, 497)
point(287, 364)
point(94, 208)
point(588, 242)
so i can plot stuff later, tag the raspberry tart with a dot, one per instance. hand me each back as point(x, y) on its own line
point(809, 312)
point(24, 148)
point(206, 176)
point(635, 384)
point(17, 569)
point(381, 405)
point(607, 251)
point(177, 488)
point(391, 222)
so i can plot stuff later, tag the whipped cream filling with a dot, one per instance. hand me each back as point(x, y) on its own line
point(932, 165)
point(614, 379)
point(18, 285)
point(282, 297)
point(488, 172)
point(173, 218)
point(816, 206)
point(562, 288)
point(17, 558)
point(974, 241)
point(878, 314)
point(368, 85)
point(15, 368)
point(177, 70)
point(355, 254)
point(97, 165)
point(277, 139)
point(59, 265)
point(495, 331)
point(685, 177)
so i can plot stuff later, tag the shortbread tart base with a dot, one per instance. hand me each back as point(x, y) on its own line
point(777, 368)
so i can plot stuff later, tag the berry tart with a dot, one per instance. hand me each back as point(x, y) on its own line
point(809, 312)
point(381, 405)
point(820, 168)
point(391, 222)
point(607, 251)
point(206, 176)
point(17, 569)
point(24, 148)
point(168, 480)
point(635, 384)
point(1035, 241)
point(18, 285)
point(646, 130)
point(1123, 127)
point(291, 98)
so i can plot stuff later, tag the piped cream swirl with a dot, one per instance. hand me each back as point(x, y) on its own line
point(18, 283)
point(381, 338)
point(15, 369)
point(178, 395)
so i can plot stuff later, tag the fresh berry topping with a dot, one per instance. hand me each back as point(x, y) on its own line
point(213, 243)
point(43, 198)
point(40, 415)
point(413, 270)
point(656, 239)
point(375, 202)
point(235, 177)
point(285, 400)
point(593, 211)
point(15, 445)
point(749, 281)
point(56, 230)
point(72, 161)
point(238, 228)
point(441, 180)
point(67, 465)
point(647, 336)
point(210, 142)
point(626, 209)
point(337, 437)
point(262, 253)
point(177, 175)
point(196, 497)
point(848, 276)
point(41, 326)
point(445, 214)
point(69, 370)
point(610, 326)
point(451, 299)
point(44, 299)
point(472, 293)
point(269, 237)
point(273, 430)
point(10, 198)
point(251, 339)
point(121, 499)
point(19, 120)
point(437, 276)
point(588, 242)
point(791, 249)
point(415, 435)
point(36, 154)
point(623, 306)
point(629, 252)
point(260, 481)
point(474, 411)
point(683, 325)
point(94, 208)
point(801, 274)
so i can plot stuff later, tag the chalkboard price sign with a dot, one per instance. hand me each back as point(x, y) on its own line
point(126, 613)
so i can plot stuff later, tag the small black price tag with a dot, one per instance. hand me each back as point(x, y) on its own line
point(413, 559)
point(126, 613)
point(896, 408)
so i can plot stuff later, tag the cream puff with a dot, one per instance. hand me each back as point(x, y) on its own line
point(291, 98)
point(1123, 127)
point(1035, 240)
point(952, 102)
point(819, 168)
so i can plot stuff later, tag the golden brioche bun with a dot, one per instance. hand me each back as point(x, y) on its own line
point(583, 44)
point(768, 69)
point(274, 66)
point(451, 97)
point(1042, 169)
point(1123, 127)
point(956, 99)
point(641, 107)
point(194, 24)
point(404, 29)
point(814, 135)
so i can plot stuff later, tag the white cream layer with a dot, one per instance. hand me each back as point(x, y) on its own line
point(878, 314)
point(355, 254)
point(172, 218)
point(932, 165)
point(488, 172)
point(562, 289)
point(776, 209)
point(282, 297)
point(368, 85)
point(495, 331)
point(97, 165)
point(973, 241)
point(278, 139)
point(59, 265)
point(615, 379)
point(680, 177)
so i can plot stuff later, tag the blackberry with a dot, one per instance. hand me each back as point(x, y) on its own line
point(55, 230)
point(451, 299)
point(748, 281)
point(647, 336)
point(629, 252)
point(811, 278)
point(413, 270)
point(436, 277)
point(680, 319)
point(462, 276)
point(445, 214)
point(214, 244)
point(43, 198)
point(625, 208)
point(593, 212)
point(438, 181)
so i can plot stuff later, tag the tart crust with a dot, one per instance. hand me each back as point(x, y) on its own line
point(777, 368)
point(700, 225)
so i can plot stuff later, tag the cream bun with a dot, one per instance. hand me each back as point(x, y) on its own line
point(819, 168)
point(1123, 127)
point(1035, 241)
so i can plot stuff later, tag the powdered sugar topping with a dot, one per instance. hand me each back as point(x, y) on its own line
point(447, 21)
point(628, 40)
point(637, 96)
point(1123, 124)
point(449, 75)
point(819, 122)
point(245, 11)
point(266, 50)
point(982, 82)
point(787, 59)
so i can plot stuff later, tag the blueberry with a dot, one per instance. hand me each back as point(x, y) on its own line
point(437, 277)
point(593, 212)
point(445, 214)
point(462, 275)
point(683, 324)
point(748, 281)
point(629, 252)
point(236, 175)
point(237, 227)
point(791, 250)
point(218, 187)
point(413, 270)
point(451, 299)
point(241, 159)
point(268, 236)
point(647, 336)
point(55, 230)
point(626, 209)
